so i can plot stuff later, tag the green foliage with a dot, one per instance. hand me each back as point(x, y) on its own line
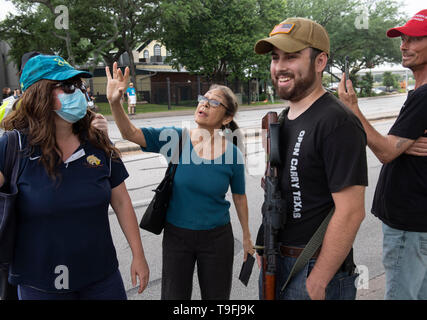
point(28, 32)
point(98, 28)
point(366, 84)
point(33, 29)
point(366, 48)
point(216, 37)
point(389, 80)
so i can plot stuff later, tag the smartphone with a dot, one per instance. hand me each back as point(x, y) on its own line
point(346, 72)
point(246, 270)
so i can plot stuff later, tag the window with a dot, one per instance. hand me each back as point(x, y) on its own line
point(146, 54)
point(157, 50)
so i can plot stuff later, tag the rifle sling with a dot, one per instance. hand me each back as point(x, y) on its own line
point(311, 247)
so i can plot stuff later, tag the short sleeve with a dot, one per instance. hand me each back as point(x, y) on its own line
point(237, 183)
point(118, 172)
point(161, 140)
point(344, 156)
point(412, 120)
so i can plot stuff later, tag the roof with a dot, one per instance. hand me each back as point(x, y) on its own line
point(143, 45)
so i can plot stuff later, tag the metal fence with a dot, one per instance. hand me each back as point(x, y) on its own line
point(175, 93)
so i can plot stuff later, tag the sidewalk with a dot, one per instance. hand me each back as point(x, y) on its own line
point(375, 291)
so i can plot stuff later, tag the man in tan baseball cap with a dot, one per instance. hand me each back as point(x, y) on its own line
point(303, 38)
point(323, 166)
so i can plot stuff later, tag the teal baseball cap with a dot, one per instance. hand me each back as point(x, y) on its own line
point(50, 68)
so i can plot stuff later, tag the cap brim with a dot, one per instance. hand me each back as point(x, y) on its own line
point(409, 31)
point(282, 42)
point(394, 32)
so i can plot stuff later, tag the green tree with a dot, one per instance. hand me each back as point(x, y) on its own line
point(365, 43)
point(136, 21)
point(97, 29)
point(28, 32)
point(216, 38)
point(366, 84)
point(34, 29)
point(389, 80)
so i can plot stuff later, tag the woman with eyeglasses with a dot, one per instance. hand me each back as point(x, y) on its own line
point(198, 228)
point(69, 174)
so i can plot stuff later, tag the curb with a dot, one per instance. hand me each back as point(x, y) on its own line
point(190, 111)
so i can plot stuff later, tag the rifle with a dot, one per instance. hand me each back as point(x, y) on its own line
point(272, 208)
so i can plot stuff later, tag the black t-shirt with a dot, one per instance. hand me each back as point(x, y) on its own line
point(400, 199)
point(322, 152)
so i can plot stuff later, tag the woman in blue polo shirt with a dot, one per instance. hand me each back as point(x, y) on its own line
point(68, 175)
point(198, 228)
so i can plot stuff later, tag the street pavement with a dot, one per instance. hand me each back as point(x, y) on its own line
point(373, 291)
point(127, 146)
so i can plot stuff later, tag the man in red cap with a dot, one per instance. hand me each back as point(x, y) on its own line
point(401, 194)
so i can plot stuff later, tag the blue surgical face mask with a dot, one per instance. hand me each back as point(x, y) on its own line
point(73, 106)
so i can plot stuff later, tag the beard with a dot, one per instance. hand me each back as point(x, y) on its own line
point(300, 88)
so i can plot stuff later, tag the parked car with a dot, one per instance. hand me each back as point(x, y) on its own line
point(379, 90)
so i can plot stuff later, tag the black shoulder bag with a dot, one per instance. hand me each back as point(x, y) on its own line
point(8, 194)
point(154, 218)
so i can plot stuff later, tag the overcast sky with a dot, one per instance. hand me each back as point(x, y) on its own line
point(410, 7)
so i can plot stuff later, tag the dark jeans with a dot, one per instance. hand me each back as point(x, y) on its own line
point(110, 288)
point(341, 287)
point(213, 250)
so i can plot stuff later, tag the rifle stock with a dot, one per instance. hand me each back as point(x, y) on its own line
point(272, 207)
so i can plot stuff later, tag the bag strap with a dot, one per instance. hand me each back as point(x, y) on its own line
point(177, 154)
point(12, 150)
point(311, 247)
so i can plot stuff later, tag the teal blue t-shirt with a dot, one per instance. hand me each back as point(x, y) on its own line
point(131, 91)
point(198, 197)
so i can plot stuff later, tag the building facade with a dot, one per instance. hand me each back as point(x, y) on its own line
point(8, 70)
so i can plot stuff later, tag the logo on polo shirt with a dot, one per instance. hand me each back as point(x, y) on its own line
point(93, 161)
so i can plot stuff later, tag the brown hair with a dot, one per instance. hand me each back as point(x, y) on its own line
point(35, 117)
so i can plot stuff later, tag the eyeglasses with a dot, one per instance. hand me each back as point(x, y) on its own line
point(211, 102)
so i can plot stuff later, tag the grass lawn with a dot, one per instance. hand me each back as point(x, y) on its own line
point(104, 108)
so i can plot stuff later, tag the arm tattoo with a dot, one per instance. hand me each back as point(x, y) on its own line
point(401, 142)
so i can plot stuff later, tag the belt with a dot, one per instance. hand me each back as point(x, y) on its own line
point(294, 252)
